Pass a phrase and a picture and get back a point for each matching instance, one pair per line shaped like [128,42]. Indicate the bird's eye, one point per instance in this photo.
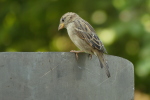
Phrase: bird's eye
[63,20]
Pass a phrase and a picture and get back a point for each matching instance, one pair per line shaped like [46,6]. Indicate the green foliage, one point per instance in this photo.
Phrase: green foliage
[122,25]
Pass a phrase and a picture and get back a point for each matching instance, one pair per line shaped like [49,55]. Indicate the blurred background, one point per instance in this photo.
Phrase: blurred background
[122,25]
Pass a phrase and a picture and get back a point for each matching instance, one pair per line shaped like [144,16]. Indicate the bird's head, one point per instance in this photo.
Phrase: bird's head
[66,19]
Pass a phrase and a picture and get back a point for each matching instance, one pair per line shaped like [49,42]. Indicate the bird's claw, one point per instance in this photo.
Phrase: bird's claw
[90,56]
[76,53]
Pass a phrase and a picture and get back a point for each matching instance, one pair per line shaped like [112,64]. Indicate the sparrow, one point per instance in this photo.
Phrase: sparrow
[84,37]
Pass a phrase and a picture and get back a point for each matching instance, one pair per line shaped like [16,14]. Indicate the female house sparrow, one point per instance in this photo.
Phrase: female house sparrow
[84,37]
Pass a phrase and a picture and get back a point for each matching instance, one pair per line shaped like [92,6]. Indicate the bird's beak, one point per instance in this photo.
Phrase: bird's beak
[61,26]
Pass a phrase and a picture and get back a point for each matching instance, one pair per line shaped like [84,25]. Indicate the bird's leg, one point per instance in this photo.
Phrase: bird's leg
[90,56]
[76,53]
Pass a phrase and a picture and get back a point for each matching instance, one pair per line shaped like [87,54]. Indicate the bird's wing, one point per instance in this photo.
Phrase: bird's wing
[86,32]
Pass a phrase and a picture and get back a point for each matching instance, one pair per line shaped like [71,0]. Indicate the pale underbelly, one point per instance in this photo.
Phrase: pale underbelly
[81,44]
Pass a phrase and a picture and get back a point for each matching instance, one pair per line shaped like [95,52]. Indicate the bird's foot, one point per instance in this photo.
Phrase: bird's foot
[90,56]
[76,53]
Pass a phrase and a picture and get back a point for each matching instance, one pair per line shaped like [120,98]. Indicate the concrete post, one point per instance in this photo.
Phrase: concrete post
[59,76]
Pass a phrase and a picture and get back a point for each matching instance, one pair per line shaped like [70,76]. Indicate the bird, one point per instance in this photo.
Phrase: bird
[84,37]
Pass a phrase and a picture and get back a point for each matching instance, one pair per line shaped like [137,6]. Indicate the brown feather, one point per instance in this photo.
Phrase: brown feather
[89,35]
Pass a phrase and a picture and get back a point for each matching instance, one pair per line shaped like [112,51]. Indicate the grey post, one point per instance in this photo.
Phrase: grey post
[59,76]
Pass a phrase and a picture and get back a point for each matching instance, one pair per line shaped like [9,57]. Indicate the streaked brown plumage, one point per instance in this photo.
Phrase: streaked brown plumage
[84,37]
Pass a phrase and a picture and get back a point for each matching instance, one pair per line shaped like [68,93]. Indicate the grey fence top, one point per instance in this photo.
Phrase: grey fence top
[59,76]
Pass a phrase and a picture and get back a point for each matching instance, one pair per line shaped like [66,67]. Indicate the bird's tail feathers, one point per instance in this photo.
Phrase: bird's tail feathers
[103,62]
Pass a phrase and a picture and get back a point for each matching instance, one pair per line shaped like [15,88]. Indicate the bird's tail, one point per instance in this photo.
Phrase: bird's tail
[103,62]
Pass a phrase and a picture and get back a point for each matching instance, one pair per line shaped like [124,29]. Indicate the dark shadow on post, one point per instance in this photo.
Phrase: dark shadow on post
[80,65]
